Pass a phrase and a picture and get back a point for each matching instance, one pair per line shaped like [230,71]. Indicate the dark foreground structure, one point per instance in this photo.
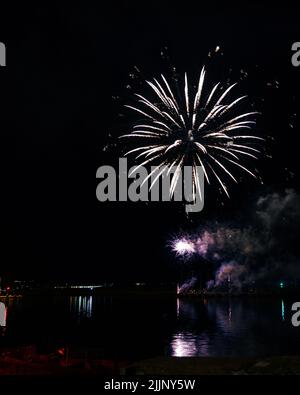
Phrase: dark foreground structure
[26,362]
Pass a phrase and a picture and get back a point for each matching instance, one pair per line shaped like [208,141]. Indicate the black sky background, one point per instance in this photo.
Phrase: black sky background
[64,64]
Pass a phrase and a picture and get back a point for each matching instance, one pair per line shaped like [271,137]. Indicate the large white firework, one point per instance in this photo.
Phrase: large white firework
[193,126]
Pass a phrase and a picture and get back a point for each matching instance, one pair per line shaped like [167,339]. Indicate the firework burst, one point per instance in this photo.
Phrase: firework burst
[193,126]
[183,247]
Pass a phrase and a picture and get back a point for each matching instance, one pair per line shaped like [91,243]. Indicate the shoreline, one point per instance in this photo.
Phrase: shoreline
[161,293]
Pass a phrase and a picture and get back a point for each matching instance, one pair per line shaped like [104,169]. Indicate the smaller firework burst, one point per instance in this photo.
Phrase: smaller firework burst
[183,247]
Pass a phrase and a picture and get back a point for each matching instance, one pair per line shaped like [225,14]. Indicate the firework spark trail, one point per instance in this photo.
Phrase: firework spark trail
[187,285]
[195,129]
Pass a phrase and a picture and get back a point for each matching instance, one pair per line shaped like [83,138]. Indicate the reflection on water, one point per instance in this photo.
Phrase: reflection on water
[231,327]
[81,306]
[282,311]
[132,327]
[184,345]
[190,317]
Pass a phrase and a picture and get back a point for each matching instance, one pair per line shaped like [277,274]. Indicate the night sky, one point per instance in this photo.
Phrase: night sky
[64,65]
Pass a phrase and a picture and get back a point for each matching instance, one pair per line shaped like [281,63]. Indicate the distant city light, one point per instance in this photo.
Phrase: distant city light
[90,287]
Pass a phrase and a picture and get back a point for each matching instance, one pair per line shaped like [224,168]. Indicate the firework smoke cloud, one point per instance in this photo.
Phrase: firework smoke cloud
[244,255]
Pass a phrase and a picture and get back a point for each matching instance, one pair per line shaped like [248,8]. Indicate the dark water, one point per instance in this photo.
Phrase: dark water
[144,327]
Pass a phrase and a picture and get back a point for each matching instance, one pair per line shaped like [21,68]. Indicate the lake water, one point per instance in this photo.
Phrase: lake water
[142,327]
